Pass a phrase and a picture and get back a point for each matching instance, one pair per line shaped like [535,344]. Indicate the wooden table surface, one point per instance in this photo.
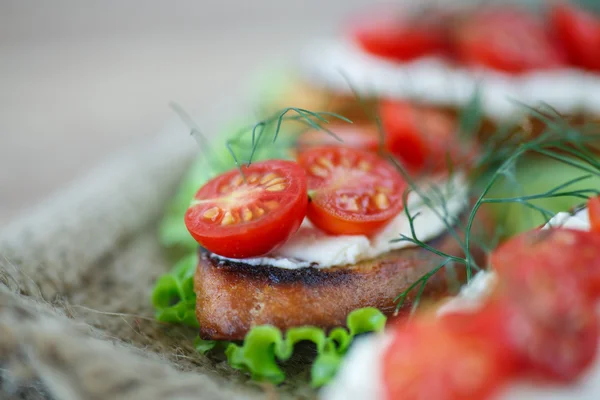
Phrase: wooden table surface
[79,80]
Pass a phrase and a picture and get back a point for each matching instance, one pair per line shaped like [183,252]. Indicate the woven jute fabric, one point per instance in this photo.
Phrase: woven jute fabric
[76,274]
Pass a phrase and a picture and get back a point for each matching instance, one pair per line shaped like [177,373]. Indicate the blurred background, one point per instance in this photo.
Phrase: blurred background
[81,79]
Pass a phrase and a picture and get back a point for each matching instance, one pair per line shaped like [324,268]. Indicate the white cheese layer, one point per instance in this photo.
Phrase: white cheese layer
[441,204]
[580,220]
[360,377]
[337,64]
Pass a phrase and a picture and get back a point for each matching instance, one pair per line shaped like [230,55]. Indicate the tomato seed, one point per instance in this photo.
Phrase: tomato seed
[319,171]
[276,188]
[228,219]
[246,215]
[326,162]
[268,177]
[277,181]
[211,213]
[271,204]
[237,181]
[382,201]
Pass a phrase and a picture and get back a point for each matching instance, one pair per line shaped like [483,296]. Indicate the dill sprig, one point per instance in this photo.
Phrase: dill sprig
[561,142]
[311,119]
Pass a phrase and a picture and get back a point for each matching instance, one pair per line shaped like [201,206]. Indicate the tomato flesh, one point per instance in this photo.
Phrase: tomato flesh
[560,251]
[353,192]
[239,219]
[593,206]
[361,137]
[427,361]
[579,34]
[423,139]
[549,279]
[400,38]
[505,39]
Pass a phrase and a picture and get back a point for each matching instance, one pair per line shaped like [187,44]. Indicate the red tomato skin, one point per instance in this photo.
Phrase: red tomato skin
[424,139]
[593,206]
[426,360]
[562,251]
[264,235]
[399,37]
[505,39]
[546,282]
[579,34]
[332,225]
[531,347]
[323,209]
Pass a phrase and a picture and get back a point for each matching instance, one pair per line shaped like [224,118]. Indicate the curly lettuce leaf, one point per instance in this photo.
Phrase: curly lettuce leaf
[173,295]
[265,346]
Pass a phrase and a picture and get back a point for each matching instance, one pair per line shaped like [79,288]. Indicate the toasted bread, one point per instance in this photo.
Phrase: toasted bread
[232,297]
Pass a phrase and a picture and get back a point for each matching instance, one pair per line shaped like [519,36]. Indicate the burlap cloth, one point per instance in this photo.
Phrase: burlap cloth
[76,274]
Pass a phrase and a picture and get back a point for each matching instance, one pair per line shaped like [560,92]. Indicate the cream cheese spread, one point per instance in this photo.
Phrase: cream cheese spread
[439,204]
[336,64]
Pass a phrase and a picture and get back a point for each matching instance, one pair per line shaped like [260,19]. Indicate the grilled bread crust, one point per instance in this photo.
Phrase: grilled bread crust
[232,297]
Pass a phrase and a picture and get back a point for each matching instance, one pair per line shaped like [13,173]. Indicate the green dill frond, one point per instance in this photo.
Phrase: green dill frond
[499,160]
[363,105]
[196,133]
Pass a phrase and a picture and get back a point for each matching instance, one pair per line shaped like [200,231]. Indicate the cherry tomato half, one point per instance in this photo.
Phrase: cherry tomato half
[400,37]
[426,361]
[560,251]
[546,279]
[593,206]
[423,138]
[361,137]
[579,33]
[505,39]
[352,191]
[240,219]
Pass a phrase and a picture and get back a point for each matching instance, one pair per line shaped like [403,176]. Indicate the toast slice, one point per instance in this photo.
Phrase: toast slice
[232,297]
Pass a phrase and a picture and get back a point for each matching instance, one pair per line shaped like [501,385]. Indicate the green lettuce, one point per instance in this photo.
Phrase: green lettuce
[173,296]
[264,346]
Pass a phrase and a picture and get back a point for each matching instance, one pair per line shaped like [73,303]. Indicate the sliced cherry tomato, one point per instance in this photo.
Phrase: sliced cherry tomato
[505,39]
[487,323]
[579,33]
[352,191]
[593,206]
[560,251]
[545,279]
[558,351]
[424,139]
[361,137]
[240,219]
[400,37]
[427,361]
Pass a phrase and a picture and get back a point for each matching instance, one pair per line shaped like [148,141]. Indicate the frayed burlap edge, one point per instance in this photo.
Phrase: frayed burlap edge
[44,354]
[75,247]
